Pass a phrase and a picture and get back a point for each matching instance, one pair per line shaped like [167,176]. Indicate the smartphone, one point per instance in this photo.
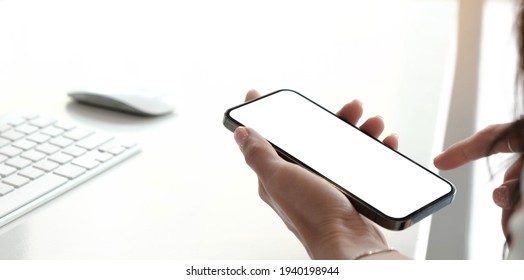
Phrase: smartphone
[382,184]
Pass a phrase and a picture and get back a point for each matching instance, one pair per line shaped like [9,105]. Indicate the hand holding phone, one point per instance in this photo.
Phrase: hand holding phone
[382,184]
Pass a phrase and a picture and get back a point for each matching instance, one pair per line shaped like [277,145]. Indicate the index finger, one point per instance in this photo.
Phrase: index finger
[477,146]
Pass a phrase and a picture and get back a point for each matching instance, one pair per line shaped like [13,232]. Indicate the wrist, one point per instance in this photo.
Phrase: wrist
[345,245]
[351,243]
[387,254]
[349,251]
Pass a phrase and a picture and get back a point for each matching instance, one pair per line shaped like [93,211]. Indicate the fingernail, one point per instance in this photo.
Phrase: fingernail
[240,135]
[500,197]
[357,102]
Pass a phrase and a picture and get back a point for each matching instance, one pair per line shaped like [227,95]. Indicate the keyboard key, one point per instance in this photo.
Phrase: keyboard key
[5,189]
[87,162]
[26,128]
[113,148]
[74,151]
[6,170]
[4,142]
[12,135]
[61,158]
[47,148]
[16,121]
[128,144]
[102,157]
[18,162]
[46,165]
[31,173]
[78,133]
[94,141]
[10,151]
[30,116]
[16,181]
[70,171]
[61,142]
[39,138]
[33,155]
[5,127]
[52,131]
[24,144]
[64,125]
[3,158]
[42,122]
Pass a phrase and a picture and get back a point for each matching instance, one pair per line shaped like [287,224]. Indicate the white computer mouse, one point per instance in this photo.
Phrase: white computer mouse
[138,103]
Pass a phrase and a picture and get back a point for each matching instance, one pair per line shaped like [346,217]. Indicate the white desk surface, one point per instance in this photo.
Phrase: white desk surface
[189,195]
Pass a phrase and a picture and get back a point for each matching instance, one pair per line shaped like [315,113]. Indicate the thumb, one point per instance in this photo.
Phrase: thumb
[258,153]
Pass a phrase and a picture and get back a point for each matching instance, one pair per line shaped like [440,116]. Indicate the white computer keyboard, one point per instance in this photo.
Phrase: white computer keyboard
[41,158]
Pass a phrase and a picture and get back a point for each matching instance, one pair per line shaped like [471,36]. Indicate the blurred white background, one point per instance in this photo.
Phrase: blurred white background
[398,57]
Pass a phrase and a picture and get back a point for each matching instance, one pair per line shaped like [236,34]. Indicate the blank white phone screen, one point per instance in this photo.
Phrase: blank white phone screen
[354,161]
